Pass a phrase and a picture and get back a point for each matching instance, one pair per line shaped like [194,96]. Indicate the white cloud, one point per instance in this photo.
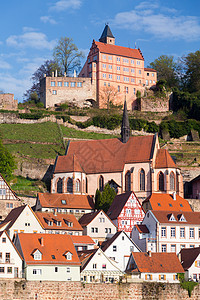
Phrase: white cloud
[66,4]
[48,19]
[4,65]
[11,84]
[161,22]
[32,39]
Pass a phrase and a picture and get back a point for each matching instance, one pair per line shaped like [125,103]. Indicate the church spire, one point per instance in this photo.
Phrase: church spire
[107,36]
[125,128]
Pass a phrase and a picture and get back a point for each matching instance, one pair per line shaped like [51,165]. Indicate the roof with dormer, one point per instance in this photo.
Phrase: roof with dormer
[52,246]
[174,217]
[108,155]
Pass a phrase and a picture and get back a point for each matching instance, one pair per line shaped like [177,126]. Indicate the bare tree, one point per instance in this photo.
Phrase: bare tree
[108,94]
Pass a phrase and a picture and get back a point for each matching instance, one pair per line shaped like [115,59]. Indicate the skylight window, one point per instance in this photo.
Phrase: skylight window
[159,204]
[63,202]
[53,256]
[170,205]
[181,205]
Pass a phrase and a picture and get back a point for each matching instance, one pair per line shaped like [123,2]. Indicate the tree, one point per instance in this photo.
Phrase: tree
[97,199]
[47,68]
[67,56]
[108,94]
[104,200]
[190,71]
[7,163]
[167,69]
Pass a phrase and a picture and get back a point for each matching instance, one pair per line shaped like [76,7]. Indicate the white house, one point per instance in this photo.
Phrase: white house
[10,259]
[190,260]
[168,231]
[119,248]
[21,219]
[97,267]
[50,257]
[98,226]
[159,267]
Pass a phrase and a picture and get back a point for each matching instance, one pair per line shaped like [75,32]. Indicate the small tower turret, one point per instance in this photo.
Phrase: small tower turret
[107,36]
[125,128]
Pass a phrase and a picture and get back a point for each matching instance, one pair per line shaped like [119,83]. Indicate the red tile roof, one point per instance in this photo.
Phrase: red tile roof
[142,228]
[157,263]
[82,240]
[72,201]
[109,155]
[118,50]
[85,256]
[150,70]
[87,218]
[164,160]
[164,216]
[44,217]
[53,244]
[166,202]
[188,256]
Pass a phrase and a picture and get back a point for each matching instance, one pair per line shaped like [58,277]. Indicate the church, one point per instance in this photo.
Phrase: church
[129,163]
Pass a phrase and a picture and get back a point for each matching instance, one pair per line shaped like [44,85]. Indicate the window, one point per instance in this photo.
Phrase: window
[37,271]
[142,180]
[79,84]
[102,220]
[191,232]
[78,185]
[94,266]
[147,74]
[173,232]
[164,248]
[126,78]
[161,181]
[118,58]
[126,89]
[68,256]
[173,248]
[3,240]
[132,79]
[66,83]
[63,202]
[110,76]
[182,246]
[126,69]
[7,257]
[163,231]
[125,60]
[104,56]
[128,181]
[152,74]
[140,72]
[37,255]
[104,266]
[182,232]
[104,75]
[118,68]
[172,181]
[53,83]
[109,57]
[54,92]
[0,255]
[1,269]
[132,61]
[104,66]
[138,62]
[68,270]
[118,88]
[27,224]
[9,270]
[69,185]
[114,248]
[110,67]
[101,183]
[59,186]
[2,192]
[59,83]
[118,77]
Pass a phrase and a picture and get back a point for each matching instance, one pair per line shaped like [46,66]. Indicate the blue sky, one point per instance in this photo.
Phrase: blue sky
[30,30]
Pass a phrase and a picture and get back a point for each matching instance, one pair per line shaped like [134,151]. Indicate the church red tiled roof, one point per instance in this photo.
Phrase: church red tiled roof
[164,160]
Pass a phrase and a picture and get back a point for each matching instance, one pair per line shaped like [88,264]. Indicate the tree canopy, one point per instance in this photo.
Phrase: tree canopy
[104,199]
[7,163]
[67,55]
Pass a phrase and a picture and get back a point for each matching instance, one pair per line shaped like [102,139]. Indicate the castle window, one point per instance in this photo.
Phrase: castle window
[147,74]
[101,183]
[54,92]
[138,62]
[118,68]
[53,83]
[118,88]
[142,180]
[69,185]
[79,84]
[110,76]
[60,186]
[132,61]
[118,77]
[132,71]
[66,83]
[118,58]
[78,185]
[59,83]
[128,181]
[161,181]
[140,72]
[73,84]
[172,181]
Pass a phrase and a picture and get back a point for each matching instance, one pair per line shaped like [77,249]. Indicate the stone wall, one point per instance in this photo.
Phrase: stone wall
[154,104]
[8,102]
[37,290]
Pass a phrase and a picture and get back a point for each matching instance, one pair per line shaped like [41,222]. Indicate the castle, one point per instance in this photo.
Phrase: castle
[110,73]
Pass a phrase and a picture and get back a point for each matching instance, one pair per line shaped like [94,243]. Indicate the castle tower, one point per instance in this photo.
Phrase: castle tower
[107,36]
[125,129]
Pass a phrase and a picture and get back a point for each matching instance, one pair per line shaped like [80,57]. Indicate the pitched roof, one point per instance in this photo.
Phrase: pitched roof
[165,202]
[12,217]
[157,263]
[164,216]
[4,232]
[106,32]
[85,256]
[188,256]
[164,160]
[87,218]
[150,70]
[82,240]
[72,201]
[118,204]
[118,50]
[142,228]
[50,245]
[65,219]
[108,155]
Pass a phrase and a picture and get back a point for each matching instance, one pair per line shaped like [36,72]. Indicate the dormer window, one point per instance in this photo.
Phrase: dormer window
[58,223]
[171,218]
[69,224]
[37,255]
[50,223]
[181,218]
[68,255]
[63,201]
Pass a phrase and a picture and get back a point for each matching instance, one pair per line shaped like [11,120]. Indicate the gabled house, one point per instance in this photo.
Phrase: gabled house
[98,226]
[97,267]
[8,199]
[59,223]
[167,231]
[159,267]
[83,242]
[190,260]
[171,202]
[64,203]
[119,248]
[21,219]
[50,257]
[126,211]
[10,258]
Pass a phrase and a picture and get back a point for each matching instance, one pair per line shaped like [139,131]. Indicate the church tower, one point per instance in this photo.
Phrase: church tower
[125,129]
[107,36]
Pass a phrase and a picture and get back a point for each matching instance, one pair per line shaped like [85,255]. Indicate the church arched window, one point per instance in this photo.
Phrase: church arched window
[128,181]
[59,186]
[172,181]
[161,181]
[69,185]
[101,183]
[142,180]
[77,185]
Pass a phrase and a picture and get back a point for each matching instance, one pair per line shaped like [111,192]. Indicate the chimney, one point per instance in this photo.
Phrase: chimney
[56,73]
[52,74]
[149,253]
[41,241]
[174,195]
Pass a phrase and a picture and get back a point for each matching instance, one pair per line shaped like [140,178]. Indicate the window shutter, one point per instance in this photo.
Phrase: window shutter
[195,263]
[159,277]
[145,276]
[164,277]
[151,277]
[174,277]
